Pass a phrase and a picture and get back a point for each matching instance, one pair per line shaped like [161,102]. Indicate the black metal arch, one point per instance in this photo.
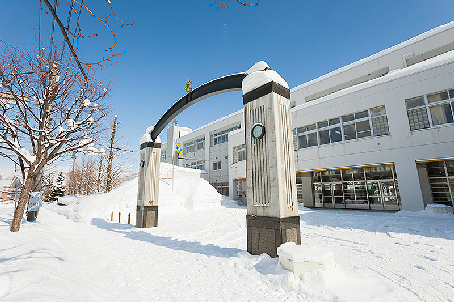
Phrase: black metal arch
[225,84]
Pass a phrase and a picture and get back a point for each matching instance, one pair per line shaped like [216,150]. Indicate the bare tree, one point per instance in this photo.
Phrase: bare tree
[115,150]
[49,109]
[82,178]
[223,3]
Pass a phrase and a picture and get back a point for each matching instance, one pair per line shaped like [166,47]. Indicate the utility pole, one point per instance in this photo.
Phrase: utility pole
[110,157]
[175,123]
[173,165]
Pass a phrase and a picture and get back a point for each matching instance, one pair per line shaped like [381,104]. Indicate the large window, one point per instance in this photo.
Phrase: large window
[366,123]
[222,136]
[430,110]
[373,187]
[163,156]
[239,153]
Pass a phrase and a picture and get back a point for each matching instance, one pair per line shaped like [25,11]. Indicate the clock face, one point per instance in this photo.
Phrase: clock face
[258,131]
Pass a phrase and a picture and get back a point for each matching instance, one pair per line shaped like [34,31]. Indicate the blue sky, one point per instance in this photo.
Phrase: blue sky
[172,41]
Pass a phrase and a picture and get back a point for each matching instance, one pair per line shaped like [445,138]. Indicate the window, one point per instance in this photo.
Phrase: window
[201,143]
[372,187]
[239,153]
[195,145]
[417,113]
[216,165]
[430,110]
[366,123]
[197,165]
[379,121]
[163,156]
[189,147]
[222,136]
[356,125]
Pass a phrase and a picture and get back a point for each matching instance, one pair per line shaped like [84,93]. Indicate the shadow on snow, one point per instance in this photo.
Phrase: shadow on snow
[175,244]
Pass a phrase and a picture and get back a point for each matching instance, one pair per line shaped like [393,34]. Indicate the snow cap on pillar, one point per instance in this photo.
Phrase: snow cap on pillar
[260,74]
[146,138]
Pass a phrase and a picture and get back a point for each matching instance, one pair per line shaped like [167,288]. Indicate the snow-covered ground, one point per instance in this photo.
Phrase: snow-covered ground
[198,253]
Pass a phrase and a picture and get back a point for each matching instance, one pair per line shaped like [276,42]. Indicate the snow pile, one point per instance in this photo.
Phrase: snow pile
[302,253]
[260,74]
[196,192]
[190,193]
[85,208]
[439,208]
[166,171]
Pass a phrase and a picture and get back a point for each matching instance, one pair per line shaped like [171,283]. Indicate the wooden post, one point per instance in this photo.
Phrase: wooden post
[111,216]
[119,216]
[129,218]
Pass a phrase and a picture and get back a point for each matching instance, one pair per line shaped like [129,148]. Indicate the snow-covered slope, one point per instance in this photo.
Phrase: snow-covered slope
[199,254]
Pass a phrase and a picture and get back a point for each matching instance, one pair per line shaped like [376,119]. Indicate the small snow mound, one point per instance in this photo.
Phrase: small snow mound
[302,253]
[439,208]
[260,74]
[147,138]
[259,66]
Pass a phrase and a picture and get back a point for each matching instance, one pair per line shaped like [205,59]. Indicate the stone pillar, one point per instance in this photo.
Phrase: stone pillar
[147,197]
[272,210]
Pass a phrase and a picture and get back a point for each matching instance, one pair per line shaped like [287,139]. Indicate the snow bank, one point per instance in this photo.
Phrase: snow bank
[190,193]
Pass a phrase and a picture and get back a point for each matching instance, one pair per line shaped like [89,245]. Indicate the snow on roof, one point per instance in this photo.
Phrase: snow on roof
[435,62]
[219,120]
[382,53]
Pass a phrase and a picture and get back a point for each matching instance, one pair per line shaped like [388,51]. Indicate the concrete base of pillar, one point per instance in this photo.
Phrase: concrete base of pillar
[266,234]
[147,218]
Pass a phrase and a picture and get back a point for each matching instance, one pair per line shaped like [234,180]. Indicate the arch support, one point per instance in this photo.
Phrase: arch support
[147,196]
[272,209]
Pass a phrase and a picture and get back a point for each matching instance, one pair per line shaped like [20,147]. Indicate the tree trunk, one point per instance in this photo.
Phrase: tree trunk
[23,201]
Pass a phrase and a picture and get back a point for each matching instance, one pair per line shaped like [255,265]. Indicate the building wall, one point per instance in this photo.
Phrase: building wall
[401,147]
[237,171]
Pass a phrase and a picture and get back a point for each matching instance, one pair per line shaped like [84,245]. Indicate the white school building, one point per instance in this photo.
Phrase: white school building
[377,134]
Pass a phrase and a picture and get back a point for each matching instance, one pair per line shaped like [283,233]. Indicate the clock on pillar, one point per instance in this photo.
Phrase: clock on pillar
[258,131]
